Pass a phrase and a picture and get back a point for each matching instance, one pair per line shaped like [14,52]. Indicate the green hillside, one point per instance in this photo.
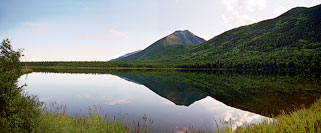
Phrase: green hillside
[166,47]
[292,40]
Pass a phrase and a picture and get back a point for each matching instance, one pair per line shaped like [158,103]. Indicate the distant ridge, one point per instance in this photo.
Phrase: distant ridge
[126,55]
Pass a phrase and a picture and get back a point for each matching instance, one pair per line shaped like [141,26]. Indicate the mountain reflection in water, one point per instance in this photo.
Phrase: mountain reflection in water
[176,100]
[262,94]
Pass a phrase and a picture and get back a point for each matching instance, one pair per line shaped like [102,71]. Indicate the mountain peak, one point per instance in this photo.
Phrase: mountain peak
[182,31]
[183,37]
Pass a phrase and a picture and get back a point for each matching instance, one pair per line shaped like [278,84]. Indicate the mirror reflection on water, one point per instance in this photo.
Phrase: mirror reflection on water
[175,100]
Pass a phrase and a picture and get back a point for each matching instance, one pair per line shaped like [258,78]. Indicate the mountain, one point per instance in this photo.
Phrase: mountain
[126,55]
[165,47]
[291,40]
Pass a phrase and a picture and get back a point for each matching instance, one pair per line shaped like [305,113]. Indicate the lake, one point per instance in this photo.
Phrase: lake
[175,100]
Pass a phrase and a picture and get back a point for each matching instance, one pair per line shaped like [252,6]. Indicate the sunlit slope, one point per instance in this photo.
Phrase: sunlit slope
[170,45]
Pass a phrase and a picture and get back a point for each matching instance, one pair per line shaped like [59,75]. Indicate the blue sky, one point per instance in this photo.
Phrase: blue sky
[78,30]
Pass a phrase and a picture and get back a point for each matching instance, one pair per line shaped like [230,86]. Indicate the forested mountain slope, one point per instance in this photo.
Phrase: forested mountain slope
[292,40]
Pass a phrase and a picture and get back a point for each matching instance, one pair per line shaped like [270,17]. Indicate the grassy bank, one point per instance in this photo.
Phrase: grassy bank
[94,122]
[302,120]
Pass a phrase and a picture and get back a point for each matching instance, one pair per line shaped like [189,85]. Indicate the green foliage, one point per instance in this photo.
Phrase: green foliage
[302,120]
[19,112]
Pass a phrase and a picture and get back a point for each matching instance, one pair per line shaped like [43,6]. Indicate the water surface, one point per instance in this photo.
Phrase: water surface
[175,100]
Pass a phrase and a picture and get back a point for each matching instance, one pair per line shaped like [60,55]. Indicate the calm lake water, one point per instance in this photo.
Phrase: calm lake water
[175,100]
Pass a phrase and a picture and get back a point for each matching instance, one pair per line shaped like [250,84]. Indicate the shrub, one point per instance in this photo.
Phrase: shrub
[19,112]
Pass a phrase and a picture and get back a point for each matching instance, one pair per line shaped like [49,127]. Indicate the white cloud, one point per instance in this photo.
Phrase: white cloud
[116,32]
[279,10]
[236,17]
[226,19]
[250,5]
[237,119]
